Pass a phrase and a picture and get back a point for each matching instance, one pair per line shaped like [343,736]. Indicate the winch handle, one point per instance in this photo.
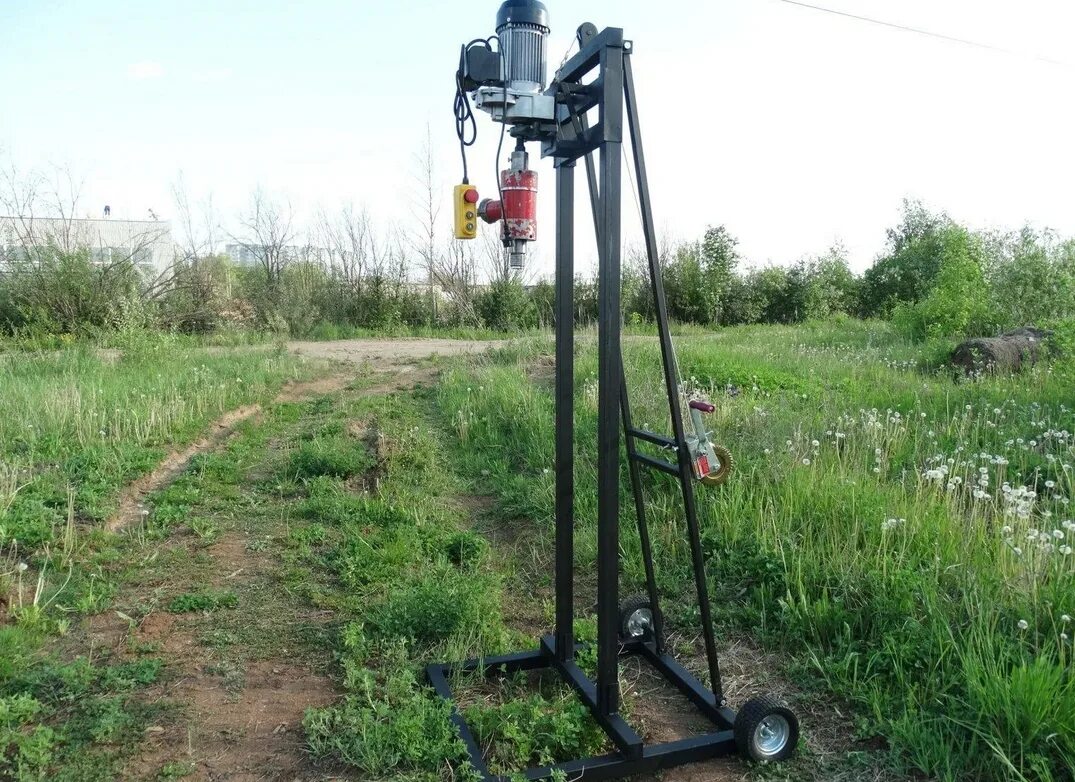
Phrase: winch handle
[705,407]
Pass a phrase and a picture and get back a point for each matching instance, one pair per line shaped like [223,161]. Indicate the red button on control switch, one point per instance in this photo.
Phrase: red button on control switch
[471,196]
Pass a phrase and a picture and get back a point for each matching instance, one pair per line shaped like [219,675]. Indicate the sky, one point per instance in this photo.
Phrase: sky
[792,127]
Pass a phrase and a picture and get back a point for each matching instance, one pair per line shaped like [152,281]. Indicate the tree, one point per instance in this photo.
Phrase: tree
[719,259]
[829,287]
[906,272]
[268,232]
[426,214]
[958,303]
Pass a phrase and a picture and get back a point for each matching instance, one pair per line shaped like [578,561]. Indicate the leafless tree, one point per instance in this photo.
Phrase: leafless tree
[198,225]
[491,252]
[426,213]
[267,234]
[457,273]
[352,247]
[42,208]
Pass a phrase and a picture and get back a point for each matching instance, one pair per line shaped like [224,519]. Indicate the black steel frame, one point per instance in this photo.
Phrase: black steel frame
[569,138]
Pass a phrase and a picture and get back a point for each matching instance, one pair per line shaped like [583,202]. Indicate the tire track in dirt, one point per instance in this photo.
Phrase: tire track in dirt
[390,358]
[131,501]
[237,725]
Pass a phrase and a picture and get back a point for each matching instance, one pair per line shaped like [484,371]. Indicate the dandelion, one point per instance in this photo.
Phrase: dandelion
[1063,636]
[1017,551]
[806,461]
[1058,534]
[1065,550]
[768,451]
[816,444]
[1065,619]
[21,567]
[1023,624]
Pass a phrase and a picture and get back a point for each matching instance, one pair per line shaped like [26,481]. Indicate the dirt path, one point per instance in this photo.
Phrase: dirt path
[393,358]
[242,680]
[385,354]
[132,499]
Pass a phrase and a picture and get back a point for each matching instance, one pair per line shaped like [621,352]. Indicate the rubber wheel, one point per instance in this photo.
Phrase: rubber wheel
[632,609]
[766,730]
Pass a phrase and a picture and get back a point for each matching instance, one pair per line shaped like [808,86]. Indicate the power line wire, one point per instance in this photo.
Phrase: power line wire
[928,33]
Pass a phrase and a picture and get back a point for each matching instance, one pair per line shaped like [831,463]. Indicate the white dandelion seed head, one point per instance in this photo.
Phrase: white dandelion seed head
[1023,624]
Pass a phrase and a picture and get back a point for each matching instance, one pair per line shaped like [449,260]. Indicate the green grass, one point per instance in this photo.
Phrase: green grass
[75,426]
[879,529]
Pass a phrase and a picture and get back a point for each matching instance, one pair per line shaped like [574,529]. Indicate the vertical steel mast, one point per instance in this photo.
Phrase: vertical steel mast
[600,77]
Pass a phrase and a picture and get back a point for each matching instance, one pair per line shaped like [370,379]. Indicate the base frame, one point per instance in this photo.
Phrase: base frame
[632,755]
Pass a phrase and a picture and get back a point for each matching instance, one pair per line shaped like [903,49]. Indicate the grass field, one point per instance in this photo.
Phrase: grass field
[893,549]
[904,538]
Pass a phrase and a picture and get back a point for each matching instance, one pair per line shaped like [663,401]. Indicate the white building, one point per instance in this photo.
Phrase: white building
[251,254]
[148,243]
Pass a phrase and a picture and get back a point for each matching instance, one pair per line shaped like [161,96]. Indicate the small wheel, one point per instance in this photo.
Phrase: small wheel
[638,620]
[727,464]
[766,730]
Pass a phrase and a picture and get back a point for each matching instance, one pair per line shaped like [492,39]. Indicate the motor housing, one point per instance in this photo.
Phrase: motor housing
[523,29]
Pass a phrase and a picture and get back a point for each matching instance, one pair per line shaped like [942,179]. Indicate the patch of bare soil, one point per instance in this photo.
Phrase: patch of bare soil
[390,353]
[240,719]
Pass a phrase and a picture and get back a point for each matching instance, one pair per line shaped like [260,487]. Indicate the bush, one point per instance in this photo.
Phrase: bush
[51,291]
[504,306]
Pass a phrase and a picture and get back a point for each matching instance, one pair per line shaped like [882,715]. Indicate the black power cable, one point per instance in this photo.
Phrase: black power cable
[464,113]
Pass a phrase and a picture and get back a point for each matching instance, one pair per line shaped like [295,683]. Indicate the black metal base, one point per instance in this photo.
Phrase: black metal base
[632,755]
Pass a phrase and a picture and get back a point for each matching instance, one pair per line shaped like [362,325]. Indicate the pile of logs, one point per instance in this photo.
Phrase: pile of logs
[1011,352]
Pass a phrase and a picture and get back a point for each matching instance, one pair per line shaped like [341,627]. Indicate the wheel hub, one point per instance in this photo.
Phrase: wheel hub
[640,622]
[771,735]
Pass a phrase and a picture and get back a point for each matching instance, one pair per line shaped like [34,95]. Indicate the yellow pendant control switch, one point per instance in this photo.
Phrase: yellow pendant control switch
[466,212]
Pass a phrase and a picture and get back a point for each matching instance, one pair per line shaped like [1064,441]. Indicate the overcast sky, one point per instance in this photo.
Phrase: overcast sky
[795,128]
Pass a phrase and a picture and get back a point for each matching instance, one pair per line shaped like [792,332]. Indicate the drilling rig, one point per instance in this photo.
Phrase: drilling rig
[505,76]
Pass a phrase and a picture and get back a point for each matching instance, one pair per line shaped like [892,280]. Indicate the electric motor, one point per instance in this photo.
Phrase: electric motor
[523,29]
